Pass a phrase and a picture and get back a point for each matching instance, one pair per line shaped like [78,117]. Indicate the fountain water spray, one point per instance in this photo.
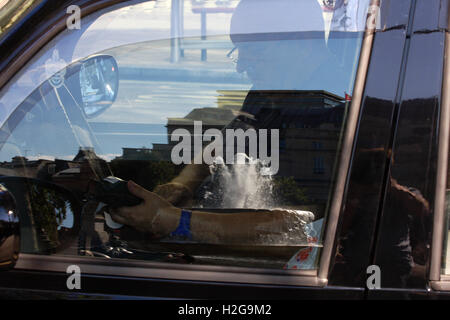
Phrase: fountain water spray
[246,184]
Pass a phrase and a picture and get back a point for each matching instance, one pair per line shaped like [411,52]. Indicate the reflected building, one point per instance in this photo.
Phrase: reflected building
[309,123]
[23,167]
[136,154]
[229,104]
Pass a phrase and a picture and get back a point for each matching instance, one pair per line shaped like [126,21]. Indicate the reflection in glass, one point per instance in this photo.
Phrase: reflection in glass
[51,215]
[99,84]
[295,83]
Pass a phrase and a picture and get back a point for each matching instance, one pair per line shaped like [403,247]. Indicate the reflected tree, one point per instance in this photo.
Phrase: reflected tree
[49,210]
[287,191]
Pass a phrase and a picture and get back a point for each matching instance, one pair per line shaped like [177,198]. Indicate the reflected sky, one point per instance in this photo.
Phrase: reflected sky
[68,221]
[154,88]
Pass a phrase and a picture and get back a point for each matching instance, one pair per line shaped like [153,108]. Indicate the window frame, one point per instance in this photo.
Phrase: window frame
[438,280]
[43,32]
[147,269]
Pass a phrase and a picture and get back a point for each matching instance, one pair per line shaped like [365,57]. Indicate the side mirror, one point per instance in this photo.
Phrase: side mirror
[49,216]
[9,230]
[99,83]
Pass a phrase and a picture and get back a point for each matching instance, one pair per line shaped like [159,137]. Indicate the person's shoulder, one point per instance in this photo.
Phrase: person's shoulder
[412,196]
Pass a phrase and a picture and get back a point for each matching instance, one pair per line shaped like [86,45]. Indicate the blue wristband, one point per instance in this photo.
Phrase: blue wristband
[183,231]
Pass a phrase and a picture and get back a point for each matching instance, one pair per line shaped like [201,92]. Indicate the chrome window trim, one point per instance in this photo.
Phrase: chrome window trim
[439,281]
[347,147]
[441,285]
[168,271]
[146,269]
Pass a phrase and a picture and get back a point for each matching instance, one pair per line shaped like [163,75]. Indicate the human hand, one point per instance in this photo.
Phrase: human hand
[176,193]
[154,215]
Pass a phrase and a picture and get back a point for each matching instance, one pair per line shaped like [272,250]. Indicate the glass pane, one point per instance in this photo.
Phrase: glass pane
[231,126]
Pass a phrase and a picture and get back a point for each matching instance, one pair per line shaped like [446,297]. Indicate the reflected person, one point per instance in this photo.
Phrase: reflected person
[401,252]
[269,43]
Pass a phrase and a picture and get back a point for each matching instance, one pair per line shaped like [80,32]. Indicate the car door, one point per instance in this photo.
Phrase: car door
[422,115]
[335,126]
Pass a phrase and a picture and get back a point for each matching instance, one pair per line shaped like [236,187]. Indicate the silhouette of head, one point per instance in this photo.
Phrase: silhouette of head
[274,39]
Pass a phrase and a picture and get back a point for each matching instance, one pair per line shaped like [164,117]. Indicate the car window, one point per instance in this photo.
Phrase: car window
[228,118]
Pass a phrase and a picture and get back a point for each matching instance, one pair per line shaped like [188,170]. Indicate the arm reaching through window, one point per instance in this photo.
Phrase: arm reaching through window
[159,217]
[180,191]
